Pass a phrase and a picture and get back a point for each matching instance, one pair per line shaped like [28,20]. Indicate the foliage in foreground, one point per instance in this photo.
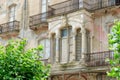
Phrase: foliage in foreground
[16,63]
[114,41]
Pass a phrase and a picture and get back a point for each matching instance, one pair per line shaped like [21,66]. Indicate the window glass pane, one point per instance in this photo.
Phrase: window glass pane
[12,13]
[43,8]
[47,55]
[46,48]
[64,32]
[44,1]
[42,43]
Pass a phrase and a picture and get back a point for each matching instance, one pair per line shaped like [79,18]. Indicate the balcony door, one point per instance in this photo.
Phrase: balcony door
[11,17]
[44,10]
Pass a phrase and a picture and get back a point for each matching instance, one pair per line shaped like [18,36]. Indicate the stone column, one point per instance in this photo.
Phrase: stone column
[57,48]
[84,46]
[51,49]
[91,43]
[74,44]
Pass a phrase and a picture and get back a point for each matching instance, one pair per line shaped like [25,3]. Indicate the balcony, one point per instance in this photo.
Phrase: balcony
[67,7]
[9,27]
[98,58]
[39,20]
[103,4]
[74,5]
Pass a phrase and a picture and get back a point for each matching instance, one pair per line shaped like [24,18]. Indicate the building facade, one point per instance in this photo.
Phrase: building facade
[74,33]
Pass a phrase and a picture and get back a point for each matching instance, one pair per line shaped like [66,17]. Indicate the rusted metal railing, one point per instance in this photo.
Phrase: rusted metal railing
[9,27]
[68,7]
[39,19]
[98,58]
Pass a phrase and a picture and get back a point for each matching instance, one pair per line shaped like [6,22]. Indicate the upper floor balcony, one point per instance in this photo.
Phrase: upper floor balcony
[74,5]
[98,58]
[39,20]
[67,7]
[9,27]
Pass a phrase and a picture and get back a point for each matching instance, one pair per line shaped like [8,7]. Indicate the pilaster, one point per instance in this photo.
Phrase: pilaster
[74,44]
[57,57]
[84,46]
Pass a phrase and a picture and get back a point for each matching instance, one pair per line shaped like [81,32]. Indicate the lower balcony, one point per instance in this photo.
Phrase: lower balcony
[38,21]
[9,28]
[98,58]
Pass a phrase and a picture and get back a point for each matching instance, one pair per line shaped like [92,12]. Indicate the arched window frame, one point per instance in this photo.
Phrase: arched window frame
[45,54]
[66,37]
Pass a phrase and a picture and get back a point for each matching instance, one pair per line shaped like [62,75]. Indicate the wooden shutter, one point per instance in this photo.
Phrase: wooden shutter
[78,46]
[70,44]
[88,41]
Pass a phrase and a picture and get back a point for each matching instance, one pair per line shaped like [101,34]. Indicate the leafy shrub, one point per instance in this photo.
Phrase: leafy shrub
[16,63]
[114,41]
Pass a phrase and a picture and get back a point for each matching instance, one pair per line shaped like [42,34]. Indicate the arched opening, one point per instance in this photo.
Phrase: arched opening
[66,44]
[78,45]
[46,48]
[88,41]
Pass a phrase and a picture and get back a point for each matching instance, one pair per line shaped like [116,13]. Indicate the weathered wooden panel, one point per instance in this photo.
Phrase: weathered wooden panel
[78,46]
[88,41]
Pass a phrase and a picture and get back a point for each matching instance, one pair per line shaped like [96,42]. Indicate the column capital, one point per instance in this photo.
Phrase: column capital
[83,30]
[58,35]
[74,30]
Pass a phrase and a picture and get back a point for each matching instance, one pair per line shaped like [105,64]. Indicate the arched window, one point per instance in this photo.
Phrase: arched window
[78,45]
[66,44]
[46,48]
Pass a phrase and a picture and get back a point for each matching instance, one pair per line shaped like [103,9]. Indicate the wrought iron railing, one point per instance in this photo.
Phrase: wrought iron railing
[67,7]
[9,27]
[101,5]
[39,19]
[98,58]
[70,6]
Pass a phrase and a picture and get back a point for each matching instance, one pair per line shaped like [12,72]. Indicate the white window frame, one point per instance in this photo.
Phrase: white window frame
[44,54]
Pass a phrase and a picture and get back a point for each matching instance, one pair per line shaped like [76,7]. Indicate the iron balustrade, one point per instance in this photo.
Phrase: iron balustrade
[68,7]
[101,5]
[39,19]
[9,27]
[71,6]
[98,58]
